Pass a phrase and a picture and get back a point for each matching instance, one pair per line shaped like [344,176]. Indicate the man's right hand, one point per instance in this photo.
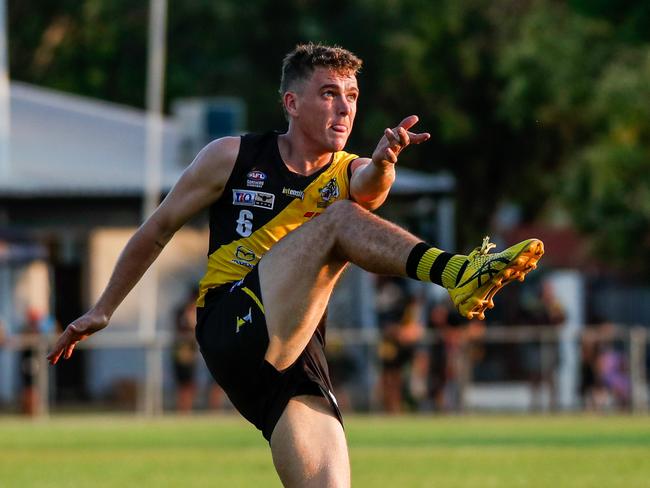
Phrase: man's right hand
[78,330]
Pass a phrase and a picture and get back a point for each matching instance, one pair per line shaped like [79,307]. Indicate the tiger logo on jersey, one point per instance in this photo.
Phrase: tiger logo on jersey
[328,193]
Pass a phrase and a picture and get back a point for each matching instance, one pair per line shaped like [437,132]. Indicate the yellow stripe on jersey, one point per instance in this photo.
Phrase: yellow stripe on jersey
[232,261]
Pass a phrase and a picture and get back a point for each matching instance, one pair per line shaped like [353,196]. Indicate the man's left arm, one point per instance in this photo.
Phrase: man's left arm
[373,177]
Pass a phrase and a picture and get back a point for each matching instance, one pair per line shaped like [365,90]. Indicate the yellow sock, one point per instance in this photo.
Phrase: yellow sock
[427,263]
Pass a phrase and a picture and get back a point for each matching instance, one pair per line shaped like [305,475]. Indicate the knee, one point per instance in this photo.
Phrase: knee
[342,210]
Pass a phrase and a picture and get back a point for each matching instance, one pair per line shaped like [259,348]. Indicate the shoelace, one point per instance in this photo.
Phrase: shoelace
[486,246]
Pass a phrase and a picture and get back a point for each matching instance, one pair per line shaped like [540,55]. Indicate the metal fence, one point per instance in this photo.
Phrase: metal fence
[632,344]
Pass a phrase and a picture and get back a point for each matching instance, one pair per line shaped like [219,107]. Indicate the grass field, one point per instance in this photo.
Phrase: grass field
[476,451]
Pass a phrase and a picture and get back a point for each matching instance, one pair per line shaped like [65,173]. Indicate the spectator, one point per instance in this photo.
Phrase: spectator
[29,363]
[457,341]
[612,374]
[396,352]
[589,346]
[540,358]
[185,357]
[185,352]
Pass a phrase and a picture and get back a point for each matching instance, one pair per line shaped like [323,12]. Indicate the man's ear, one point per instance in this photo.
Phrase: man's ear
[291,102]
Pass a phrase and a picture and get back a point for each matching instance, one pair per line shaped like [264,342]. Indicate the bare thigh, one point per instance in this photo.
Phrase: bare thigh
[309,447]
[297,277]
[298,274]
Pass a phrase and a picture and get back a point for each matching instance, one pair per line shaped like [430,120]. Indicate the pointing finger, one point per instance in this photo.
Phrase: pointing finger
[409,122]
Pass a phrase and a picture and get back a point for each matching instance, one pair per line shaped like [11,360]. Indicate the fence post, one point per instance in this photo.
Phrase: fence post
[638,339]
[42,378]
[153,385]
[464,371]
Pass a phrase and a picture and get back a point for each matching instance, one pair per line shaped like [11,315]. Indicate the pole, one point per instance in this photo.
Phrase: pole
[152,187]
[638,337]
[5,114]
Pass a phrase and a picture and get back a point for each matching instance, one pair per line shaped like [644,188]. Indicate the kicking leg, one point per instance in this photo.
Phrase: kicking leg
[298,274]
[297,277]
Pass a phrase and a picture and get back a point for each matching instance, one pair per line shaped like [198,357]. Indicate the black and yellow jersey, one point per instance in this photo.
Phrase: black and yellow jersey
[261,203]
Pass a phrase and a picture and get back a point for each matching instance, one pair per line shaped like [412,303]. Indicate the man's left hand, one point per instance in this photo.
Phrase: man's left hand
[395,140]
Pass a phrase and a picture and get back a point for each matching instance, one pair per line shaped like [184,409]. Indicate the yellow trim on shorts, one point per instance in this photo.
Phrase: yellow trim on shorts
[250,293]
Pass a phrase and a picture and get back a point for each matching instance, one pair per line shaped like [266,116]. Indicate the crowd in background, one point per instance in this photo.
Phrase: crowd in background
[426,353]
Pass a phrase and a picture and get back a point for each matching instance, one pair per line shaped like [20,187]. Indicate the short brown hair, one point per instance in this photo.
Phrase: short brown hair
[300,63]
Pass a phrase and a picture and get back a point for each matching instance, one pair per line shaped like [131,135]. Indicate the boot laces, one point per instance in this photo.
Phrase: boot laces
[486,246]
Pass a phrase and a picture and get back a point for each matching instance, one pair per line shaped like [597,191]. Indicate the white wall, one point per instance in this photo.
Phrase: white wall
[180,266]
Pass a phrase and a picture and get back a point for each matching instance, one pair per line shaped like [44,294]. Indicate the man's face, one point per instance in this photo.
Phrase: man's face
[323,107]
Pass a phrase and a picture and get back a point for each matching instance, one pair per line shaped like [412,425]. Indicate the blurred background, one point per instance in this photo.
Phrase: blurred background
[540,127]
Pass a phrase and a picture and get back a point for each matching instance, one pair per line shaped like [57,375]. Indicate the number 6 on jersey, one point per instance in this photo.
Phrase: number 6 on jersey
[245,223]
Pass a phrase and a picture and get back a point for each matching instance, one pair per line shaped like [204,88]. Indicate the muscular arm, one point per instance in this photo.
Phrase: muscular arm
[371,182]
[199,185]
[373,177]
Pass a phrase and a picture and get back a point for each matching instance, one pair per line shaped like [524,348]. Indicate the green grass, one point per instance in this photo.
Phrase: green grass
[465,451]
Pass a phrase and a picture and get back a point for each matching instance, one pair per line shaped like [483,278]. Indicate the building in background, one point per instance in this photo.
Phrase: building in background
[74,193]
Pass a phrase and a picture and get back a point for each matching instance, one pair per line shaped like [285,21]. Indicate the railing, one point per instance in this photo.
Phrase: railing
[635,340]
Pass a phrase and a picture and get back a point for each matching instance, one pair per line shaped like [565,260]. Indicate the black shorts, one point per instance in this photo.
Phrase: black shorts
[232,334]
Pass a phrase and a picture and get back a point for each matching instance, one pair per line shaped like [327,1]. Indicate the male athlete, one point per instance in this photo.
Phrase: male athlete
[288,211]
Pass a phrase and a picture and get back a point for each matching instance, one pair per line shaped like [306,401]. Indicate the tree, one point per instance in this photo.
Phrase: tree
[536,102]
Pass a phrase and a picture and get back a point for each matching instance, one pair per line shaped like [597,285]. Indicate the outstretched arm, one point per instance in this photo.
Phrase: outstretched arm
[200,184]
[372,177]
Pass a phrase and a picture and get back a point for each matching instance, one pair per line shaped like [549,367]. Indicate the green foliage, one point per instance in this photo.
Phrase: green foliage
[538,102]
[585,88]
[95,48]
[608,186]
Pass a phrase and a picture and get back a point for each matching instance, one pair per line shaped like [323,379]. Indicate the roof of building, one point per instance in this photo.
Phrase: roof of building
[68,145]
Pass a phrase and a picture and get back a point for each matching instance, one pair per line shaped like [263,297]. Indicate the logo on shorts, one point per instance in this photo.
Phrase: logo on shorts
[236,285]
[293,193]
[252,198]
[255,179]
[328,193]
[246,319]
[244,257]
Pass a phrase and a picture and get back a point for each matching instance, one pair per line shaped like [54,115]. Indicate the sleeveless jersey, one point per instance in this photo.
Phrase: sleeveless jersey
[261,203]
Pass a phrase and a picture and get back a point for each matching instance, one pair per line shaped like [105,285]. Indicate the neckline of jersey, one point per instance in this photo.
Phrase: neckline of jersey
[292,174]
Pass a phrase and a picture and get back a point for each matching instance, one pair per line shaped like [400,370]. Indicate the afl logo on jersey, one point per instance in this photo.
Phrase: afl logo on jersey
[255,179]
[250,198]
[328,193]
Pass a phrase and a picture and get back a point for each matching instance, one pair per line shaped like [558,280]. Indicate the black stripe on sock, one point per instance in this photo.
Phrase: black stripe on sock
[414,259]
[438,267]
[461,271]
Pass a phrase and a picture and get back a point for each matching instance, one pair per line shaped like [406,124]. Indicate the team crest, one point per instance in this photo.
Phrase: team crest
[328,193]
